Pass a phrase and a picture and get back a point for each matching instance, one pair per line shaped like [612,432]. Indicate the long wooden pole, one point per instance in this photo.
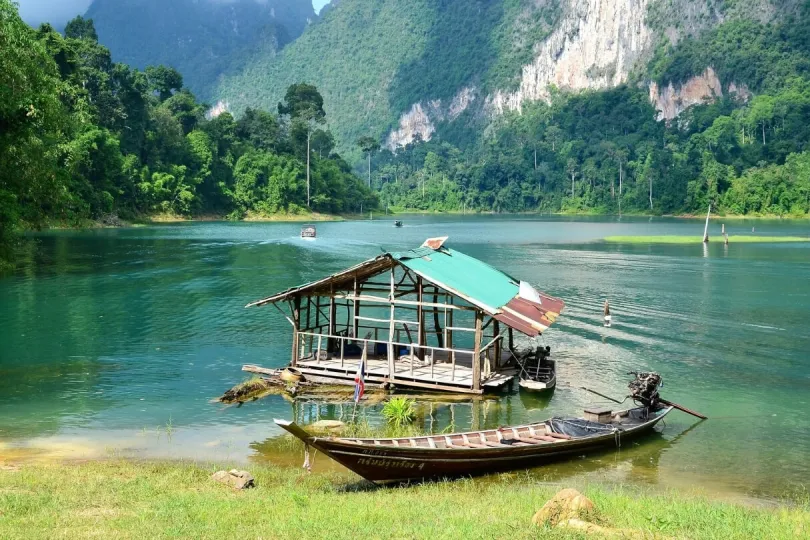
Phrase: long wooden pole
[683,409]
[391,370]
[476,360]
[436,324]
[420,317]
[706,229]
[296,315]
[497,332]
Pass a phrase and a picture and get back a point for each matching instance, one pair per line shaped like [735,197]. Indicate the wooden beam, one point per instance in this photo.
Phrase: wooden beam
[356,308]
[436,325]
[476,360]
[420,316]
[296,315]
[391,370]
[397,301]
[497,331]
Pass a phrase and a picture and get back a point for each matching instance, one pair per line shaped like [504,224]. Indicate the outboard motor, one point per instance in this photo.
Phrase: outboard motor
[644,388]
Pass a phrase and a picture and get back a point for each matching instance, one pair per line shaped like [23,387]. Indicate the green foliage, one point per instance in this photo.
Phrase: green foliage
[82,137]
[152,499]
[373,59]
[399,412]
[81,28]
[606,152]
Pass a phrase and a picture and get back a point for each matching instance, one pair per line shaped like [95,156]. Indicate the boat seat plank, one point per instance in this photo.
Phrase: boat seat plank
[530,440]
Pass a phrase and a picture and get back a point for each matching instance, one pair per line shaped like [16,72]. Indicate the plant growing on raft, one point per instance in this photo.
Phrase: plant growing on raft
[399,412]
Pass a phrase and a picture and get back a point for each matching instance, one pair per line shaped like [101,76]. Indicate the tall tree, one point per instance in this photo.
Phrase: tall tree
[304,105]
[81,28]
[368,145]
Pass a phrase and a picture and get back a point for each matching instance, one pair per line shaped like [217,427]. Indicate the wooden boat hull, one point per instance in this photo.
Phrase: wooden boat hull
[379,462]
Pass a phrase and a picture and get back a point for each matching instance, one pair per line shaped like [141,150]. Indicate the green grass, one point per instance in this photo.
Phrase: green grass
[126,499]
[699,239]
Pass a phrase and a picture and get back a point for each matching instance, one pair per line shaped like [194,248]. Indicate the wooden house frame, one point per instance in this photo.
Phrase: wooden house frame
[425,318]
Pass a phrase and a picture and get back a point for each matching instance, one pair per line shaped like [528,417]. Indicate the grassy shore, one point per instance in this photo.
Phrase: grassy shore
[127,499]
[697,239]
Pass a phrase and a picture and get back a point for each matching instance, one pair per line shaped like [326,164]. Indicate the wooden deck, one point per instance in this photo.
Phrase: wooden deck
[438,373]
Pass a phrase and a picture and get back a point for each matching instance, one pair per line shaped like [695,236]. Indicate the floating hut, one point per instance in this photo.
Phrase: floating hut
[428,318]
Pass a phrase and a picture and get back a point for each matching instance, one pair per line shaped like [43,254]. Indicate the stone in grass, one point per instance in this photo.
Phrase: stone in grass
[566,510]
[235,479]
[567,504]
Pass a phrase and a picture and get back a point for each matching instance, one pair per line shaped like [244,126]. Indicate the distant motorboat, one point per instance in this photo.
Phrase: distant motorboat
[308,233]
[397,223]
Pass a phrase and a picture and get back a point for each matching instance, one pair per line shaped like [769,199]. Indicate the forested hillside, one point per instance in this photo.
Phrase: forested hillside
[373,59]
[617,137]
[200,38]
[82,137]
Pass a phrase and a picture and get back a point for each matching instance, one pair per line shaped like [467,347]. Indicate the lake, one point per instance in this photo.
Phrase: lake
[113,342]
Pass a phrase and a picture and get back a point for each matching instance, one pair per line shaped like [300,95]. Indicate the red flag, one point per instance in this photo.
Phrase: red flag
[359,382]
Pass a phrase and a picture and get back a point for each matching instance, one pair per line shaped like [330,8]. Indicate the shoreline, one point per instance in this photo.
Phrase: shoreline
[315,217]
[285,452]
[126,498]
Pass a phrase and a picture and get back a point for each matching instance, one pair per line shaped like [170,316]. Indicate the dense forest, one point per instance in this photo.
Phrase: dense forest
[606,151]
[373,59]
[82,137]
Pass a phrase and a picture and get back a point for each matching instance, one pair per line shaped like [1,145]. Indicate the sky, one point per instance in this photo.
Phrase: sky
[58,12]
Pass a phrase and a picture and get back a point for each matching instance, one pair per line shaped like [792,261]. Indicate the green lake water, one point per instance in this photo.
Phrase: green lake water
[114,342]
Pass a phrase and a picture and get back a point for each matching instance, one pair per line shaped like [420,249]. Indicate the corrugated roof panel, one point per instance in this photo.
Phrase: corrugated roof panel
[474,280]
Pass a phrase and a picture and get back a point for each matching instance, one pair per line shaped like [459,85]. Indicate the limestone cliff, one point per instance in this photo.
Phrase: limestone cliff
[671,101]
[599,44]
[421,119]
[596,45]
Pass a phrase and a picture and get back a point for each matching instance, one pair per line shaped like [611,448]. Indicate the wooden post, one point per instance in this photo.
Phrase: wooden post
[296,315]
[356,309]
[436,324]
[391,362]
[420,317]
[706,229]
[332,322]
[511,340]
[448,325]
[476,362]
[497,332]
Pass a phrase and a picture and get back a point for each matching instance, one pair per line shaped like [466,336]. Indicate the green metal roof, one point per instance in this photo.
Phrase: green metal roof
[469,278]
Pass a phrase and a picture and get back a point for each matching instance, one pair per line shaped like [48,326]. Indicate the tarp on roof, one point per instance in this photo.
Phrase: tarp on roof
[512,302]
[467,277]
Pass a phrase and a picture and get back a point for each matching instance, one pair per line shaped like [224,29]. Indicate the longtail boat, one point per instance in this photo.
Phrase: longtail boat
[402,459]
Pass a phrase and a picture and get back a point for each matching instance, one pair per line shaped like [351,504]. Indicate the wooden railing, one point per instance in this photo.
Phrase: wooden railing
[316,342]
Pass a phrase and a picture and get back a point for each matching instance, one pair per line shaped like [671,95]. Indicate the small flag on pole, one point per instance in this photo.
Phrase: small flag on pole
[359,382]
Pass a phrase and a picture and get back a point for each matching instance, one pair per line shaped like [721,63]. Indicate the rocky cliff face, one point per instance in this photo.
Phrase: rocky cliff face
[596,45]
[671,101]
[420,121]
